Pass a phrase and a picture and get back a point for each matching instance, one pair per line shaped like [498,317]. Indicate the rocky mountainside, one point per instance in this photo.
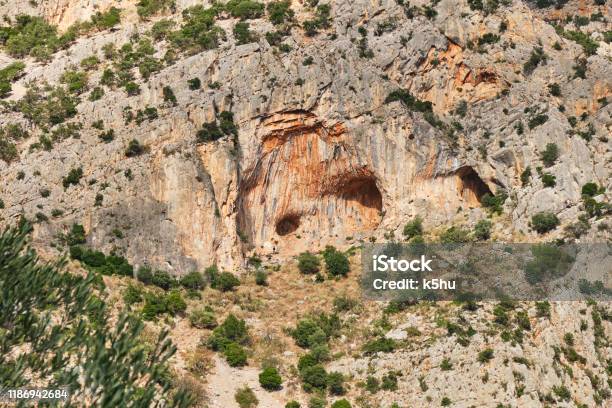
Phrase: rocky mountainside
[382,111]
[184,134]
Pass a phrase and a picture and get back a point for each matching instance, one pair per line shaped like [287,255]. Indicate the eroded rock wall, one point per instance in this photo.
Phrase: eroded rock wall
[320,155]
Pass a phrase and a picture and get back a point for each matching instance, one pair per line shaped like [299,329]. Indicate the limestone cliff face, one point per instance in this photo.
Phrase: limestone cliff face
[320,157]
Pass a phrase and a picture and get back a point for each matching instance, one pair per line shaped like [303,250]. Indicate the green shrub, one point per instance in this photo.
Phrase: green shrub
[75,81]
[543,309]
[485,355]
[536,58]
[494,203]
[107,78]
[96,94]
[132,294]
[555,89]
[225,282]
[144,275]
[76,236]
[537,120]
[118,265]
[320,352]
[316,401]
[231,330]
[41,217]
[194,83]
[274,38]
[344,303]
[501,315]
[584,40]
[280,12]
[488,38]
[522,319]
[409,101]
[242,34]
[549,180]
[226,123]
[155,304]
[97,261]
[8,150]
[162,279]
[314,377]
[107,136]
[380,345]
[106,20]
[413,228]
[372,384]
[47,107]
[304,331]
[335,383]
[286,48]
[270,379]
[446,365]
[209,133]
[8,133]
[321,20]
[550,154]
[594,208]
[8,75]
[132,88]
[73,177]
[591,189]
[293,404]
[455,235]
[203,319]
[482,230]
[134,149]
[148,113]
[544,222]
[199,32]
[89,63]
[261,278]
[193,280]
[161,29]
[148,8]
[336,263]
[169,95]
[562,392]
[343,403]
[235,355]
[526,176]
[592,288]
[307,360]
[175,302]
[308,263]
[255,261]
[244,9]
[389,381]
[98,200]
[549,262]
[245,397]
[316,330]
[33,36]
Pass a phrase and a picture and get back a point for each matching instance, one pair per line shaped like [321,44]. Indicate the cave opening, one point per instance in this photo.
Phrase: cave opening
[472,187]
[288,224]
[363,191]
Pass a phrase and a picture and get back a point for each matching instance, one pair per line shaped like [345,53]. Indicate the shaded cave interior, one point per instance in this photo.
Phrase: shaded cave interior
[360,192]
[471,186]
